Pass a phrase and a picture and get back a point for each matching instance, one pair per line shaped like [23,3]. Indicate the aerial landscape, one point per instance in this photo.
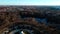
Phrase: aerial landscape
[29,19]
[29,16]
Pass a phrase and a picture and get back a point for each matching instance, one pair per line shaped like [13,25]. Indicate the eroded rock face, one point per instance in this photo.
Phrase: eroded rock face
[16,21]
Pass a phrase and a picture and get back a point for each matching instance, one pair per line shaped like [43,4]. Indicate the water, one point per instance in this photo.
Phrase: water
[42,20]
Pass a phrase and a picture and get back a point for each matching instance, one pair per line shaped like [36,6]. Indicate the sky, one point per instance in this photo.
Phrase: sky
[29,2]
